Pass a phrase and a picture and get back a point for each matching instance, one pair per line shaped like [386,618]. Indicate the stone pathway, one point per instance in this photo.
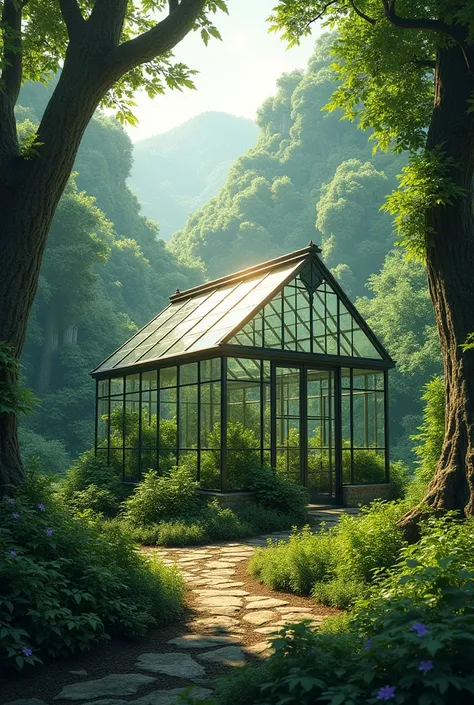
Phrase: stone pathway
[226,626]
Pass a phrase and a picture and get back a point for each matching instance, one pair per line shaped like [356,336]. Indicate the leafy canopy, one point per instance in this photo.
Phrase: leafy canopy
[384,58]
[45,37]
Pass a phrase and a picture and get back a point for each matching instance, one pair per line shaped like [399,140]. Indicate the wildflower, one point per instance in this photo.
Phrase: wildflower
[386,693]
[15,515]
[41,507]
[425,666]
[420,629]
[367,644]
[49,532]
[12,553]
[11,500]
[27,651]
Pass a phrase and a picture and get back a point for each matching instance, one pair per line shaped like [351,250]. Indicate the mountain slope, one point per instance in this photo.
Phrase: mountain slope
[176,172]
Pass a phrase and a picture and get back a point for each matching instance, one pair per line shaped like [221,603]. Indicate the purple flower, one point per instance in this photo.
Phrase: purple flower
[12,553]
[15,515]
[425,666]
[27,651]
[368,644]
[386,693]
[49,532]
[41,507]
[420,629]
[11,500]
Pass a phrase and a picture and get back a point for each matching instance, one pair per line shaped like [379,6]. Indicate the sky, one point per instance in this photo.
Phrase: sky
[235,75]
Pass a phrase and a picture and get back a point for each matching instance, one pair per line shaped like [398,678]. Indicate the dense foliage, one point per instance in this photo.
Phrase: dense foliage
[407,642]
[338,565]
[69,582]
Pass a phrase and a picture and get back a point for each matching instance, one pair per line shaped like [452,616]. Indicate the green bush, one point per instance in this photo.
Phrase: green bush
[275,491]
[294,565]
[346,557]
[408,642]
[157,498]
[89,471]
[49,454]
[67,583]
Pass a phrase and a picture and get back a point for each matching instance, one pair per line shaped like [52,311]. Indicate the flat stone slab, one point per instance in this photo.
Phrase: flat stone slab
[215,624]
[219,564]
[260,649]
[297,616]
[171,664]
[218,584]
[259,617]
[214,609]
[228,655]
[27,701]
[114,684]
[293,610]
[214,592]
[270,603]
[267,630]
[256,598]
[201,641]
[221,601]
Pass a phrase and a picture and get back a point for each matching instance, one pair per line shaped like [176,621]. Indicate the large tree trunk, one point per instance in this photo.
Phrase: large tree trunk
[450,266]
[27,207]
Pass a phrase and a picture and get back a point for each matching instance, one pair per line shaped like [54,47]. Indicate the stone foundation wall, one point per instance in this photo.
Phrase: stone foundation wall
[354,495]
[227,499]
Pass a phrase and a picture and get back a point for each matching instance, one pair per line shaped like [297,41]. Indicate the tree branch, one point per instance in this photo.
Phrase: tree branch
[158,40]
[361,14]
[418,23]
[173,5]
[72,17]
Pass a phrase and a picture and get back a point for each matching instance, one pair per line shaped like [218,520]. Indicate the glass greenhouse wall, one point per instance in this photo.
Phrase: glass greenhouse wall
[271,366]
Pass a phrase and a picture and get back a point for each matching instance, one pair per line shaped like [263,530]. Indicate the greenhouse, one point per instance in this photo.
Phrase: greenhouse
[272,365]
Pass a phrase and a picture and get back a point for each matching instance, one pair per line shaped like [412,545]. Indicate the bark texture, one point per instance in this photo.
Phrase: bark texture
[31,188]
[450,267]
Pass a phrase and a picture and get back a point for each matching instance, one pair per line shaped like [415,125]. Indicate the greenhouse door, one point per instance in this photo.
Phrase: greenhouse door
[303,429]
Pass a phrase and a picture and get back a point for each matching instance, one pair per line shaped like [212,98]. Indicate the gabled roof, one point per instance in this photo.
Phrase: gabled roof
[208,315]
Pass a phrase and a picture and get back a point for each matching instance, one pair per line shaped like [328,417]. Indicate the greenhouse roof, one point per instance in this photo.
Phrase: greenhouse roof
[210,315]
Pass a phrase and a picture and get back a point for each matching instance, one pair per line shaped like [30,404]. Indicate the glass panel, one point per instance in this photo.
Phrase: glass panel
[288,422]
[149,380]
[210,415]
[132,383]
[168,377]
[188,422]
[116,385]
[211,369]
[148,419]
[188,374]
[103,388]
[321,437]
[116,422]
[243,368]
[210,473]
[102,421]
[131,470]
[132,405]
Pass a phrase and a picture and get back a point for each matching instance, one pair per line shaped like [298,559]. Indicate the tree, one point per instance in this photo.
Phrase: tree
[106,50]
[407,72]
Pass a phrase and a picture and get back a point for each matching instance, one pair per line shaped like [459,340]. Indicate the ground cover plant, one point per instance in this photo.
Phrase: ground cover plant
[338,565]
[409,641]
[69,582]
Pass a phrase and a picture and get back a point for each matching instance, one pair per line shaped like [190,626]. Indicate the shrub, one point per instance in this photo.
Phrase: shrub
[158,498]
[90,470]
[52,455]
[409,642]
[294,565]
[346,557]
[68,583]
[275,491]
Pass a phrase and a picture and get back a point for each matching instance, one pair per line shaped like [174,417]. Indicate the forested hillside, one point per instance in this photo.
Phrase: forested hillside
[105,273]
[176,172]
[314,176]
